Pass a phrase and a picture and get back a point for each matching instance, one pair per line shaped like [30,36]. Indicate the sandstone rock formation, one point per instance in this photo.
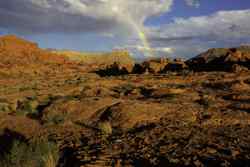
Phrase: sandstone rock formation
[22,57]
[150,66]
[175,65]
[220,59]
[114,69]
[100,60]
[20,51]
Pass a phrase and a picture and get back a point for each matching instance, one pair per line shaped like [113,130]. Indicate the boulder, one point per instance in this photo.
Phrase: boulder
[150,66]
[139,69]
[238,68]
[113,70]
[176,65]
[156,65]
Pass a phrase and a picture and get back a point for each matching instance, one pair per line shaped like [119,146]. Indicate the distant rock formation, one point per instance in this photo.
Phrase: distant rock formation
[220,59]
[139,69]
[17,50]
[22,57]
[112,70]
[11,42]
[175,66]
[156,65]
[150,66]
[19,55]
[101,60]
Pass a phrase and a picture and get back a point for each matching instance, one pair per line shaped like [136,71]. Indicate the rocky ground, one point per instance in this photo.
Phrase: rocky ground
[175,118]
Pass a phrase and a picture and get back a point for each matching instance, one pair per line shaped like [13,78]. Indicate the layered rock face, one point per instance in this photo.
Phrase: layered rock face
[220,59]
[20,51]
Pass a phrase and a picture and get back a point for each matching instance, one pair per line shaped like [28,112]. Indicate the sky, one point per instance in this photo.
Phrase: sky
[173,28]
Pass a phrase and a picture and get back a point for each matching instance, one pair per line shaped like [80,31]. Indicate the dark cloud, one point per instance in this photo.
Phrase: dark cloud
[39,16]
[27,18]
[171,39]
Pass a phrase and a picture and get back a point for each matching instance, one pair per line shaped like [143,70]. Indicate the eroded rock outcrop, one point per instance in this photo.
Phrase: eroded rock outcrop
[22,57]
[220,59]
[17,50]
[150,66]
[175,65]
[114,69]
[100,60]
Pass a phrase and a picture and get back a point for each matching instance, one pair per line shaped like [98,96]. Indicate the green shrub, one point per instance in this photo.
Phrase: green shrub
[27,107]
[40,154]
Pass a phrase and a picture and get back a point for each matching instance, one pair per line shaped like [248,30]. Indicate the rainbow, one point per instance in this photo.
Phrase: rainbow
[148,51]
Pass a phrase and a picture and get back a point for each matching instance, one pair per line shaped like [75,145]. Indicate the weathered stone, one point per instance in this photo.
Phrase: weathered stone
[220,59]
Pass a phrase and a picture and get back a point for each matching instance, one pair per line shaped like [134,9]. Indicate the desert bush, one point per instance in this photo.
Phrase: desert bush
[4,107]
[124,89]
[39,154]
[27,106]
[105,128]
[55,118]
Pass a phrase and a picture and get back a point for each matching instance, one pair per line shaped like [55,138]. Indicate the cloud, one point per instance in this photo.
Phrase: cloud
[143,51]
[155,49]
[38,16]
[221,29]
[221,25]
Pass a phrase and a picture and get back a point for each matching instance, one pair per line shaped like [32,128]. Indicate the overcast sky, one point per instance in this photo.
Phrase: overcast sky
[180,28]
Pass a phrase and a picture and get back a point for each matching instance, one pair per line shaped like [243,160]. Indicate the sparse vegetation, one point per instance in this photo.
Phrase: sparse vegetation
[125,89]
[40,154]
[27,107]
[56,119]
[4,107]
[105,128]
